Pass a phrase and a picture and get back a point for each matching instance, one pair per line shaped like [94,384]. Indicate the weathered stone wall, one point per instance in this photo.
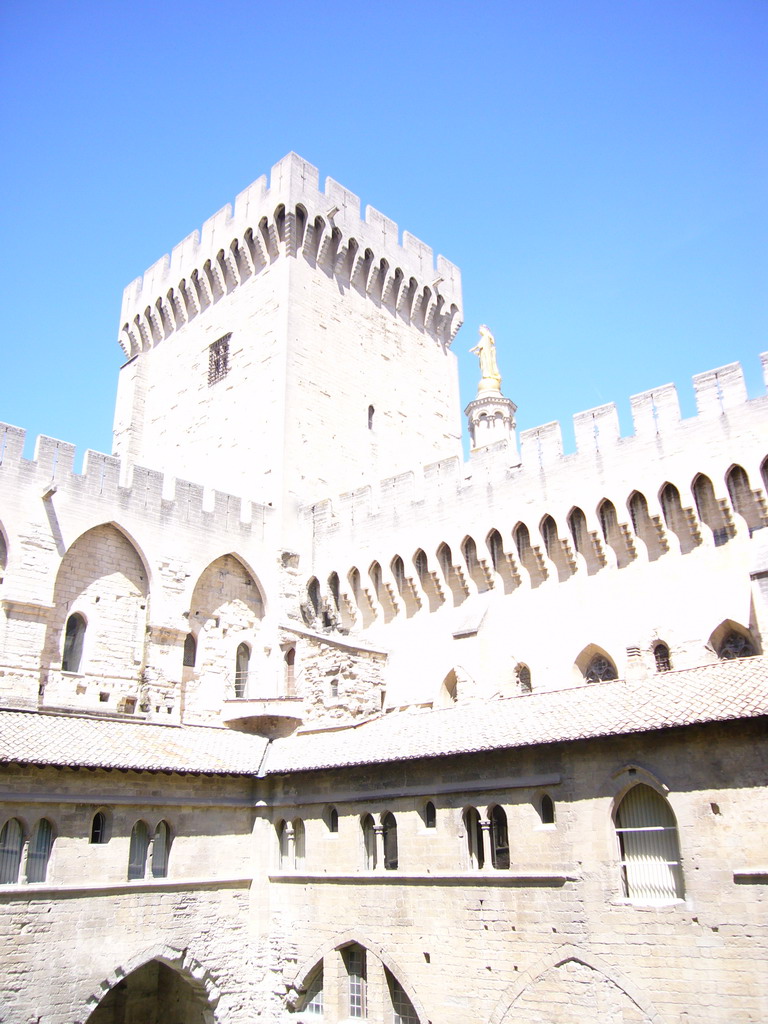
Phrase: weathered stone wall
[552,938]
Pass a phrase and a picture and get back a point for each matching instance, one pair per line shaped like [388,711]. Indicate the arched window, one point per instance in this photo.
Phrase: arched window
[335,588]
[74,635]
[283,849]
[190,650]
[600,670]
[661,655]
[523,674]
[39,851]
[242,660]
[743,498]
[299,843]
[137,855]
[354,960]
[474,838]
[736,645]
[333,820]
[547,810]
[11,843]
[496,549]
[709,509]
[577,524]
[402,1007]
[313,997]
[499,838]
[99,828]
[430,815]
[369,842]
[313,593]
[648,845]
[161,848]
[289,660]
[389,836]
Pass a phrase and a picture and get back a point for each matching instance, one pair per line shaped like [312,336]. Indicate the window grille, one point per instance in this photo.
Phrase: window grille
[648,844]
[11,842]
[663,661]
[160,851]
[218,360]
[137,855]
[313,1000]
[242,660]
[355,961]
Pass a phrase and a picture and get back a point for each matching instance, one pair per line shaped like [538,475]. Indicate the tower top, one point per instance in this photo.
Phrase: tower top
[284,218]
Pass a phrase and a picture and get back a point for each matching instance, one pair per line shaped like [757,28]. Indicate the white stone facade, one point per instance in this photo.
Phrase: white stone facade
[251,677]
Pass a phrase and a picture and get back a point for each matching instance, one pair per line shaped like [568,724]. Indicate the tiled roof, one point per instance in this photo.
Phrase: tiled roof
[31,737]
[712,693]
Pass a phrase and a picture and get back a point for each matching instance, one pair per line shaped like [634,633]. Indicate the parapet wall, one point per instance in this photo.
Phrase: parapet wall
[661,434]
[147,493]
[292,217]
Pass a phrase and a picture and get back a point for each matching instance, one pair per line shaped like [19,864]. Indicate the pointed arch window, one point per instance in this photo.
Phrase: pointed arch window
[403,1011]
[99,834]
[242,662]
[39,851]
[11,843]
[499,839]
[646,830]
[474,835]
[74,636]
[662,658]
[190,650]
[161,848]
[369,842]
[389,837]
[137,854]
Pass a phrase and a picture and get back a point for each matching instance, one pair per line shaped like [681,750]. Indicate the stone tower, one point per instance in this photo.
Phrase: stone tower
[291,349]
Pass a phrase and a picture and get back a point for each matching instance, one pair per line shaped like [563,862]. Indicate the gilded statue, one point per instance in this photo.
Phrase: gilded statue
[486,352]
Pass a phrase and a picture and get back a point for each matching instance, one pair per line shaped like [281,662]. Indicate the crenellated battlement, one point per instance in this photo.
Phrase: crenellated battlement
[291,217]
[659,429]
[146,493]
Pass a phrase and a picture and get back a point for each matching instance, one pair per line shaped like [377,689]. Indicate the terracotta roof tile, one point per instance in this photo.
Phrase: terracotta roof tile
[31,737]
[718,692]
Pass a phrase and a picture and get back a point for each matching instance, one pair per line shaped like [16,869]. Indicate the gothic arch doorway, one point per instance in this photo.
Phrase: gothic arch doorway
[154,994]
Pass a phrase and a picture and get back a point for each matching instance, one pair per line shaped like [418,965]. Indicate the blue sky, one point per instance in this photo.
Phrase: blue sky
[596,169]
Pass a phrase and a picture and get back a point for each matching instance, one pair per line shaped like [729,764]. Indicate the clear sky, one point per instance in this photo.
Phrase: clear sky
[596,168]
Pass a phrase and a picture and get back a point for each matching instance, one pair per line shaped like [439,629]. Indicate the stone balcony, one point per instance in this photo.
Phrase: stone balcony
[267,716]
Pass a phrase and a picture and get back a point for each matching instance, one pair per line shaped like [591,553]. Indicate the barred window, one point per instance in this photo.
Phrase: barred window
[354,957]
[650,854]
[218,359]
[403,1011]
